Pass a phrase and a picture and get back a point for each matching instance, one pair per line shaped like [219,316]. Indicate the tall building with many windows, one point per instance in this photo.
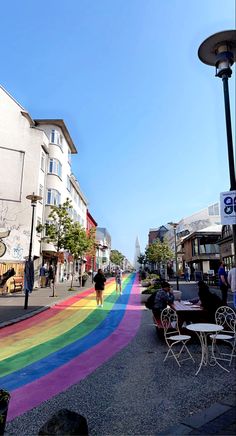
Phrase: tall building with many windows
[103,248]
[35,158]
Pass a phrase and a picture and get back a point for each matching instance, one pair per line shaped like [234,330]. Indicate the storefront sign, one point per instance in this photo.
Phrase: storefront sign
[228,207]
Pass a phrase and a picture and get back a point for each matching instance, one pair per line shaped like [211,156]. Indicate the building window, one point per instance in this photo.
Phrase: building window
[56,138]
[41,192]
[195,250]
[213,209]
[53,197]
[68,184]
[55,167]
[43,162]
[226,232]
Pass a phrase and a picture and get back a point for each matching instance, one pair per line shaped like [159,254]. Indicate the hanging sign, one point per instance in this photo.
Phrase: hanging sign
[228,207]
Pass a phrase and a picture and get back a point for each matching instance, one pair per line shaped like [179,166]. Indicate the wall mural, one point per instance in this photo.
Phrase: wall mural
[18,240]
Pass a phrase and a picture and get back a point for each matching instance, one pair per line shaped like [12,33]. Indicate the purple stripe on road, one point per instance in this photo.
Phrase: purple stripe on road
[33,394]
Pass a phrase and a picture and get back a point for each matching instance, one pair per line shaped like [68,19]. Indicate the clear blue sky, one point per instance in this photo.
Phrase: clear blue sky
[146,115]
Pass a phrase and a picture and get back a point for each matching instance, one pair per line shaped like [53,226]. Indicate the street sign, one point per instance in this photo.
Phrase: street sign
[228,207]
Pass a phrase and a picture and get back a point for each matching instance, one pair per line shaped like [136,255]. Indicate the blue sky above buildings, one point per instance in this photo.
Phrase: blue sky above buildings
[146,115]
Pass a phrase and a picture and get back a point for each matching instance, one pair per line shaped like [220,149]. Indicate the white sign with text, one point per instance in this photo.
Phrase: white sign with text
[228,207]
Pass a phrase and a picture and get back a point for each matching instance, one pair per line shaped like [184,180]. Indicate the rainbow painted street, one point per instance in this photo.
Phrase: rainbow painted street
[49,352]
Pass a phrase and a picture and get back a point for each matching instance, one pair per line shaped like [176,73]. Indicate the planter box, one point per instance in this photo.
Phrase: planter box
[145,284]
[4,402]
[144,297]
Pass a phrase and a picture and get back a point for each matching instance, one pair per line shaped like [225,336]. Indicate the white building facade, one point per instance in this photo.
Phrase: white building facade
[35,157]
[103,248]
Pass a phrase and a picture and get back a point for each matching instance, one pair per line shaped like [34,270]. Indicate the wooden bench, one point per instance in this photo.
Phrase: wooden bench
[18,284]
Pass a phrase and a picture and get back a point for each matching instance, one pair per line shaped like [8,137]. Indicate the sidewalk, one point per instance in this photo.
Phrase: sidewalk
[12,305]
[218,419]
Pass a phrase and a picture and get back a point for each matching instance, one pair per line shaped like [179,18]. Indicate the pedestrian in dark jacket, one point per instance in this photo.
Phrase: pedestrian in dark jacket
[208,300]
[224,285]
[99,280]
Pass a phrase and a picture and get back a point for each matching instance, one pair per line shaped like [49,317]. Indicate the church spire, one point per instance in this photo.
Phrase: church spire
[136,254]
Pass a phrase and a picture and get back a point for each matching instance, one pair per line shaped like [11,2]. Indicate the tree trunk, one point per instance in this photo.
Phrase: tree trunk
[166,277]
[80,274]
[72,275]
[54,279]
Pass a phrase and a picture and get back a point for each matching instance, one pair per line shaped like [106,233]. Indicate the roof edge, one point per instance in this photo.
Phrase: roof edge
[60,123]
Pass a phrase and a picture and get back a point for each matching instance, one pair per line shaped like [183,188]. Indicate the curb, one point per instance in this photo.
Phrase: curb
[216,419]
[30,314]
[23,317]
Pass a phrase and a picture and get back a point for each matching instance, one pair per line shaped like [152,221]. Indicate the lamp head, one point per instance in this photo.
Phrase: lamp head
[173,224]
[219,50]
[34,198]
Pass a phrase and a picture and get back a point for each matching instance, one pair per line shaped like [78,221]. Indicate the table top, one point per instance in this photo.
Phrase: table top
[185,305]
[204,327]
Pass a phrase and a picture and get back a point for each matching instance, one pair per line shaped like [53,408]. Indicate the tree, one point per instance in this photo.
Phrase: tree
[141,259]
[159,252]
[92,246]
[57,229]
[78,242]
[116,257]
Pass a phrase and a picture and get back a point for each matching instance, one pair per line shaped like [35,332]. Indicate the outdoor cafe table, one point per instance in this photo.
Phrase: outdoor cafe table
[202,330]
[188,312]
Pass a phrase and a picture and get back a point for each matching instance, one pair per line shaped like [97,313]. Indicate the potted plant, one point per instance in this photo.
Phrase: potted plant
[84,278]
[4,402]
[145,293]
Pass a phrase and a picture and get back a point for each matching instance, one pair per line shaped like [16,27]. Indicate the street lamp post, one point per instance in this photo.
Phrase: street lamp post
[219,50]
[174,225]
[33,198]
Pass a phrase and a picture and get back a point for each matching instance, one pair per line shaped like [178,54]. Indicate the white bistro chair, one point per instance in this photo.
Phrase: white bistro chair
[173,337]
[226,317]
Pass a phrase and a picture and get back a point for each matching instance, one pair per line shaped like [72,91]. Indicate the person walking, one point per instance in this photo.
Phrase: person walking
[232,282]
[99,280]
[187,273]
[42,275]
[222,274]
[119,280]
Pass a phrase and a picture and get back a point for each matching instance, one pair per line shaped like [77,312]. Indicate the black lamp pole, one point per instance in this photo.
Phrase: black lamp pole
[30,251]
[230,148]
[174,225]
[176,260]
[229,134]
[33,198]
[219,50]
